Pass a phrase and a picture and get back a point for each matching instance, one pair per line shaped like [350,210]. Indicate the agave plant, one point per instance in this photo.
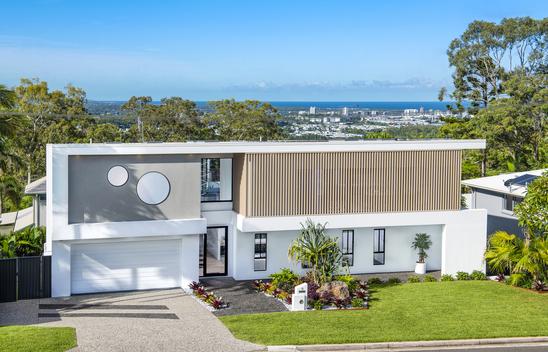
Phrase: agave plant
[318,251]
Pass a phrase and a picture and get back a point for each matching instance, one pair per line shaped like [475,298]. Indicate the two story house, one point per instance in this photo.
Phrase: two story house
[143,216]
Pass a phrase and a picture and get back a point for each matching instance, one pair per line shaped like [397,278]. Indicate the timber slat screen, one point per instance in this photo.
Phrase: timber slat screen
[25,278]
[285,184]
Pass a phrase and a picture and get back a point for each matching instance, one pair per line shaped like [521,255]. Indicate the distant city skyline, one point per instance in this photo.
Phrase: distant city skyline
[279,51]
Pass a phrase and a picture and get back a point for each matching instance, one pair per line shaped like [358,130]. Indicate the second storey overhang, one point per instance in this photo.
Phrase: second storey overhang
[269,179]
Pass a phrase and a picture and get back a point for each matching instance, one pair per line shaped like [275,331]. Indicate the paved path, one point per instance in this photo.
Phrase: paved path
[242,297]
[161,320]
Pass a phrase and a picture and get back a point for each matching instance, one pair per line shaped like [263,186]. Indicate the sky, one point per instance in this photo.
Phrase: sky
[308,50]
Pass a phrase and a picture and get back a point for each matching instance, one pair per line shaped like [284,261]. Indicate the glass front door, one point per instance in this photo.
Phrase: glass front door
[213,251]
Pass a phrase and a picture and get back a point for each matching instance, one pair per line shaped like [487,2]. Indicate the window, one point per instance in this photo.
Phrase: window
[347,247]
[260,252]
[216,180]
[510,202]
[378,247]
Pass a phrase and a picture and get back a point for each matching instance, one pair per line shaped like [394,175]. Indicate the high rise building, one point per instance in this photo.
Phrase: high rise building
[345,111]
[312,110]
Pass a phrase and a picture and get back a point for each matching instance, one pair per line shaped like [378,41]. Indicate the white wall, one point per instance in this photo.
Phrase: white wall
[459,240]
[399,256]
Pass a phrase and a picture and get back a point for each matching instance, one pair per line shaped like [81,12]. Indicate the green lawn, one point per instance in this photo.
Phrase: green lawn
[407,312]
[39,339]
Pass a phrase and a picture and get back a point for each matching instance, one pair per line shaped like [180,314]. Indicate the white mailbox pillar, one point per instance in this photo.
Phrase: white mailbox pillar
[299,298]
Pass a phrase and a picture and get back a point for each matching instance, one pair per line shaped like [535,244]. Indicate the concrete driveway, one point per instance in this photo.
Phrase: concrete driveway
[160,320]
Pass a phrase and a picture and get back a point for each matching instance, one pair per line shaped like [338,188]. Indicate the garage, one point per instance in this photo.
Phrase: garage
[124,266]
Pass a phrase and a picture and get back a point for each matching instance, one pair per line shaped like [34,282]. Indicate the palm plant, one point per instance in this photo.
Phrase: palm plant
[421,243]
[318,251]
[509,253]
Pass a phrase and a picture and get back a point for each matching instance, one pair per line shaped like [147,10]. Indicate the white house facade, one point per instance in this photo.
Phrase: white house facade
[142,216]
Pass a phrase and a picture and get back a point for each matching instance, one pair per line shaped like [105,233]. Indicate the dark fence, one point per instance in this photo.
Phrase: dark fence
[25,278]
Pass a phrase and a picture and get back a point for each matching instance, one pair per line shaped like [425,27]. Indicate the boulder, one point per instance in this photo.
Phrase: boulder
[335,289]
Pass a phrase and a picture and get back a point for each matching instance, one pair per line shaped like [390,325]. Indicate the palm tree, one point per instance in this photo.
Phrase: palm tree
[422,242]
[317,251]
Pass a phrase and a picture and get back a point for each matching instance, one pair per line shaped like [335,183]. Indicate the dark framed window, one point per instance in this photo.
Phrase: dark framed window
[378,246]
[216,180]
[347,247]
[509,202]
[259,259]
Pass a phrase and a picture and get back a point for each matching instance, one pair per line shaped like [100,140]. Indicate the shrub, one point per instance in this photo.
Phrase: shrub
[394,280]
[285,279]
[413,279]
[363,285]
[341,303]
[26,242]
[313,291]
[194,285]
[350,281]
[520,280]
[463,276]
[288,299]
[447,277]
[478,275]
[258,285]
[539,285]
[217,302]
[501,278]
[374,281]
[429,278]
[318,305]
[361,293]
[357,302]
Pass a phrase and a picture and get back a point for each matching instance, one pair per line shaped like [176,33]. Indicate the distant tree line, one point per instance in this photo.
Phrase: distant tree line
[32,115]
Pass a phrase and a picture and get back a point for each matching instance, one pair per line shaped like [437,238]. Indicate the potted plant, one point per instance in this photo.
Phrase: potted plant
[421,243]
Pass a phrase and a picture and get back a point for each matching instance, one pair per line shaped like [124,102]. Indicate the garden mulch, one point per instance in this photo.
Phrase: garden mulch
[241,296]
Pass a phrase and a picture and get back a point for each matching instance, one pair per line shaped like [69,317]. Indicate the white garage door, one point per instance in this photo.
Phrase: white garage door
[121,266]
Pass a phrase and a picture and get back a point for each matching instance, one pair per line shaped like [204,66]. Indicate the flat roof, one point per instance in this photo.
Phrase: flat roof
[497,183]
[268,147]
[36,187]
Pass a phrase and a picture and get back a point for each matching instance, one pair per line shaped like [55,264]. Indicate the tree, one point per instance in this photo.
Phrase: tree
[532,212]
[7,98]
[173,120]
[41,107]
[317,251]
[484,55]
[249,120]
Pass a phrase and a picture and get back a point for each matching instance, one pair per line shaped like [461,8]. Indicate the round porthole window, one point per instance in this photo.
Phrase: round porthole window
[153,188]
[117,176]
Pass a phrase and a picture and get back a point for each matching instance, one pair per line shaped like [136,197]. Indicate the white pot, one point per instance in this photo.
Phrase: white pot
[420,268]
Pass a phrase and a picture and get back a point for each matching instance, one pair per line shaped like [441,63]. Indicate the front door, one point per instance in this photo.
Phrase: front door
[214,251]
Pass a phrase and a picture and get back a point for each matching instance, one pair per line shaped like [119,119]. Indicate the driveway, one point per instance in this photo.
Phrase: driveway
[160,320]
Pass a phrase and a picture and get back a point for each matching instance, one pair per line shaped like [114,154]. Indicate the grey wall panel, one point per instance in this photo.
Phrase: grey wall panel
[93,199]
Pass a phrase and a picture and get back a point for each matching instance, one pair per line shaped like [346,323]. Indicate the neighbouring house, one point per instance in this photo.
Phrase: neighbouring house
[499,194]
[16,220]
[37,189]
[143,216]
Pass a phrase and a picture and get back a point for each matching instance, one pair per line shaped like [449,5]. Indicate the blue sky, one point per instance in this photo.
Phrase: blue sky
[267,50]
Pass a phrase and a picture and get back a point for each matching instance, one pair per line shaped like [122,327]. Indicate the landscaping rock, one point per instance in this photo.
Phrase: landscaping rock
[337,289]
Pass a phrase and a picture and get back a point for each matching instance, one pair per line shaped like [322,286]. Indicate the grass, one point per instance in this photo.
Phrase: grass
[407,312]
[32,338]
